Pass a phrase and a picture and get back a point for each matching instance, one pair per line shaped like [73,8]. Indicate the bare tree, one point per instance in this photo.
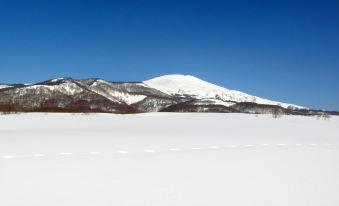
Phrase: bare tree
[277,112]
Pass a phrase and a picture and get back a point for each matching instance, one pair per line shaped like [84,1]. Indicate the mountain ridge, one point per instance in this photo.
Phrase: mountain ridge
[168,93]
[190,85]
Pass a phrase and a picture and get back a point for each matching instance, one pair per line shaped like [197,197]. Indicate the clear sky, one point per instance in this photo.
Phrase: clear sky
[281,50]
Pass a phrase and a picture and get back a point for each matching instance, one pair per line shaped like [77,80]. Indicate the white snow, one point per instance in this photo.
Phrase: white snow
[188,85]
[168,159]
[68,88]
[3,86]
[57,79]
[129,98]
[115,95]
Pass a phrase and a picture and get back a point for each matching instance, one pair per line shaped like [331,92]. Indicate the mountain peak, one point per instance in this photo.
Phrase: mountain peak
[175,78]
[187,85]
[182,84]
[55,81]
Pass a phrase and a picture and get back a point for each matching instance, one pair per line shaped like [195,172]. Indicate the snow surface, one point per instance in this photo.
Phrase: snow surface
[68,88]
[115,95]
[168,159]
[3,86]
[177,84]
[57,79]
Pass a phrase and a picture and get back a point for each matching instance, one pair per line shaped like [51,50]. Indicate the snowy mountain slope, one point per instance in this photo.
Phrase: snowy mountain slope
[112,92]
[58,95]
[3,86]
[154,104]
[170,93]
[123,92]
[189,86]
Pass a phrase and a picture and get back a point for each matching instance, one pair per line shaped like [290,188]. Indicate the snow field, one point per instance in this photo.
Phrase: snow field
[265,146]
[168,159]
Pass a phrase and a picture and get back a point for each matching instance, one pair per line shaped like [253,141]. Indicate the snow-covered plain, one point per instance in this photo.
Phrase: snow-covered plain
[168,159]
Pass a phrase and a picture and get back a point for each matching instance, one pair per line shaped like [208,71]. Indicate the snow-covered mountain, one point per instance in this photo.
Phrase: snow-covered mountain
[169,93]
[190,86]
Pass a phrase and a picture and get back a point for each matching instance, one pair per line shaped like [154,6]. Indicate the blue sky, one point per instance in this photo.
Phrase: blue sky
[281,50]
